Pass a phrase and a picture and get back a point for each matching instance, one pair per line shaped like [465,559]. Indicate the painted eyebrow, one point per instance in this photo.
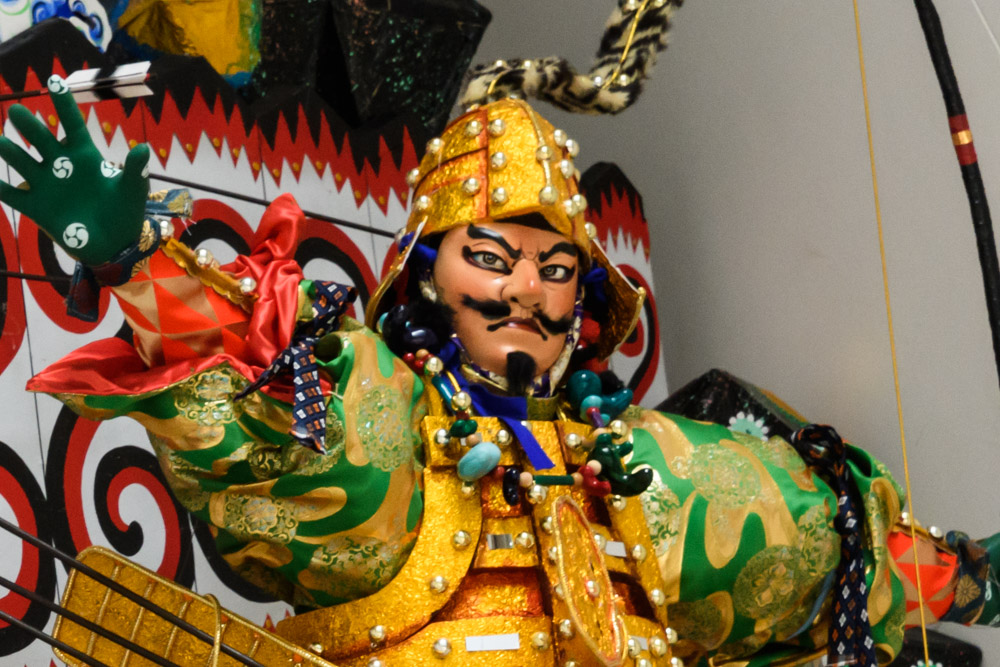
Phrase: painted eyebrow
[562,246]
[490,235]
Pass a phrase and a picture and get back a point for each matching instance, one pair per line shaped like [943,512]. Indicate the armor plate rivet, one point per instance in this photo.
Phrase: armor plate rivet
[438,584]
[541,641]
[441,648]
[497,127]
[537,494]
[461,539]
[524,540]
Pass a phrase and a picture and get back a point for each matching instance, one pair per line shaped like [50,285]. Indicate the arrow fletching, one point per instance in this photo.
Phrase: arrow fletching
[108,83]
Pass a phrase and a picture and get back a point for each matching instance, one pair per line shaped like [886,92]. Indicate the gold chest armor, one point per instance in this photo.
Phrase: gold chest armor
[561,579]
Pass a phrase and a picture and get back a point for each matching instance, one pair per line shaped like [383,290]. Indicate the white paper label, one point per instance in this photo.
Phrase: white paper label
[510,642]
[616,549]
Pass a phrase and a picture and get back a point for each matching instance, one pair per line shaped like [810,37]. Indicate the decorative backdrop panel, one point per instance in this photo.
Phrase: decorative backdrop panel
[73,482]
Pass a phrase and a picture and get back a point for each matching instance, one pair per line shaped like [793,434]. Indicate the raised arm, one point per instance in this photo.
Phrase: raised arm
[178,308]
[88,206]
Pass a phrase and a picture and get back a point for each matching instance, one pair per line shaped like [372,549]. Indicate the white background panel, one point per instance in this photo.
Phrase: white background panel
[750,151]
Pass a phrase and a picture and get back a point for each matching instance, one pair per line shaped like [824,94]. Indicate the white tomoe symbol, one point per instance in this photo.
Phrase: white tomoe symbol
[56,85]
[76,235]
[62,167]
[109,169]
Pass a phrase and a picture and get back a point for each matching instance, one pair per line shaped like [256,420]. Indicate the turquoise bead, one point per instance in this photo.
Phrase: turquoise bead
[478,461]
[616,403]
[591,401]
[581,385]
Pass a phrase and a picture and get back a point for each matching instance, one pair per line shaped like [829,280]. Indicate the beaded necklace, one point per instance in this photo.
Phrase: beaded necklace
[603,472]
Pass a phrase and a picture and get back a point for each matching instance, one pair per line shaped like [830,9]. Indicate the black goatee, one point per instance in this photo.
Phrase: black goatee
[520,373]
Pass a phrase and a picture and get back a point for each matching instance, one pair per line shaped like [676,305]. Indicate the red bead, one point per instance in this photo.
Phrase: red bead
[498,473]
[594,415]
[418,365]
[590,331]
[409,358]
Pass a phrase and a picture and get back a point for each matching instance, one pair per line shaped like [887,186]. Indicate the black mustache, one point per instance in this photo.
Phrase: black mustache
[492,309]
[560,326]
[488,308]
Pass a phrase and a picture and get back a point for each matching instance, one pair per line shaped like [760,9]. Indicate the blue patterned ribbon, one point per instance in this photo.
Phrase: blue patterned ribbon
[850,635]
[309,405]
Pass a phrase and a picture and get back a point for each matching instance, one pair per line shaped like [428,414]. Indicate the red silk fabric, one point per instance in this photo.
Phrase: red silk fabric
[112,367]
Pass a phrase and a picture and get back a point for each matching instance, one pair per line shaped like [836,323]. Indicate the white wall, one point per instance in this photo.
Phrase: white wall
[749,148]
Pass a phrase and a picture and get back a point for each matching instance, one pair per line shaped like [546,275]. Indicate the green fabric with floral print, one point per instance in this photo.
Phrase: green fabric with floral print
[743,531]
[313,529]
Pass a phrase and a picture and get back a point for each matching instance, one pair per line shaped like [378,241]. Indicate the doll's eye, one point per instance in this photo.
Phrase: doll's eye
[557,272]
[488,260]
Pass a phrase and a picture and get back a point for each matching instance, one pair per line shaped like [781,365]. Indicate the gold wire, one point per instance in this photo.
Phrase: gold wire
[493,83]
[618,68]
[628,44]
[454,381]
[892,338]
[213,657]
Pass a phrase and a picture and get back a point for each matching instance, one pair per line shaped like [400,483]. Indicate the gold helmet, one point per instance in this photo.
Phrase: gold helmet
[498,162]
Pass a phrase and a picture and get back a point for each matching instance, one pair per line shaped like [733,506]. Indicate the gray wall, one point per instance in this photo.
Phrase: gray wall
[749,148]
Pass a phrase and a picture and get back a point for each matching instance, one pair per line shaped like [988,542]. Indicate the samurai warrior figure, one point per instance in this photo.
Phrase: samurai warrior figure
[456,480]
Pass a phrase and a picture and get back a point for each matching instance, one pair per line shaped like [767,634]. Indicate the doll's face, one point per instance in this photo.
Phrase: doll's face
[512,288]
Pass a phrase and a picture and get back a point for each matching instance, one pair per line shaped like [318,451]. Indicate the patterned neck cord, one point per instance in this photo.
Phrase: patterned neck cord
[482,457]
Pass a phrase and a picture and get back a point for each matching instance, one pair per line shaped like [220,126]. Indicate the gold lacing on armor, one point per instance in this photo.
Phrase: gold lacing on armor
[119,615]
[474,573]
[209,275]
[213,657]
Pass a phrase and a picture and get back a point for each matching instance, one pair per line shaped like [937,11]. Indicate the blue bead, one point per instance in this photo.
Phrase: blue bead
[478,461]
[512,485]
[419,337]
[444,388]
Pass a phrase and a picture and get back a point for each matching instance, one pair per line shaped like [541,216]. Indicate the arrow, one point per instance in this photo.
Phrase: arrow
[104,83]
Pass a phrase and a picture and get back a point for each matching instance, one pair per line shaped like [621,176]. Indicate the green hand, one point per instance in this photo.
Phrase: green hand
[88,206]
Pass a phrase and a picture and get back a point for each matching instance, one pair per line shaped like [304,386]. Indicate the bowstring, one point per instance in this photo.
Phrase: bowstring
[892,338]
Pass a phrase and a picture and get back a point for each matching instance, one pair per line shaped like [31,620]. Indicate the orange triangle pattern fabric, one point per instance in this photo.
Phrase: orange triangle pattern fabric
[176,318]
[938,576]
[181,327]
